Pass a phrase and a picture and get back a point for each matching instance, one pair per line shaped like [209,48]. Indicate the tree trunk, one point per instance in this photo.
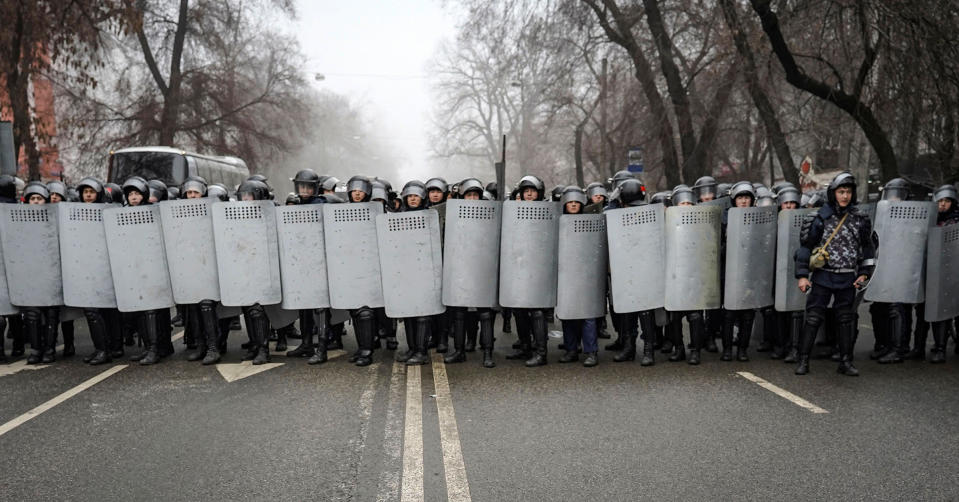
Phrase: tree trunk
[18,89]
[578,153]
[169,120]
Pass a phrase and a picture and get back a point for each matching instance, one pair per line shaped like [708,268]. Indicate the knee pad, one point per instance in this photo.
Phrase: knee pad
[365,314]
[694,316]
[485,315]
[815,316]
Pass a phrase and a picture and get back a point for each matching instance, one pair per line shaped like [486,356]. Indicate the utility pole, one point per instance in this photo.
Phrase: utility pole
[501,173]
[602,116]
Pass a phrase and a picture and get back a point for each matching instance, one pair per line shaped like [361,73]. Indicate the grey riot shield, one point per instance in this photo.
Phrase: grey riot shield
[248,263]
[722,202]
[637,257]
[471,253]
[280,317]
[788,296]
[84,259]
[581,278]
[299,231]
[750,257]
[869,209]
[6,308]
[942,274]
[190,251]
[141,278]
[352,256]
[692,258]
[528,254]
[902,228]
[411,261]
[31,254]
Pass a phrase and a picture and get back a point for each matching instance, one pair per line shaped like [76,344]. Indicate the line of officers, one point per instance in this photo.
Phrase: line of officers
[829,315]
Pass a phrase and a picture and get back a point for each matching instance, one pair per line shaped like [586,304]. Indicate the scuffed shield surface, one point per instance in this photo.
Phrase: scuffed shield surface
[411,261]
[141,277]
[788,296]
[190,250]
[248,263]
[302,258]
[903,228]
[528,254]
[352,255]
[942,274]
[84,259]
[637,257]
[471,253]
[692,258]
[583,264]
[750,257]
[31,254]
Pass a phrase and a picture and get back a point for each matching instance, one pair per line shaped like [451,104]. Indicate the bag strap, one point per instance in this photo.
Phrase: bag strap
[835,230]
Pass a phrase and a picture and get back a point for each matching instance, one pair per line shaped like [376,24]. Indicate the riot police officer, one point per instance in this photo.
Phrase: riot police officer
[947,204]
[360,189]
[743,195]
[576,331]
[684,196]
[895,318]
[414,198]
[789,324]
[706,189]
[851,261]
[41,323]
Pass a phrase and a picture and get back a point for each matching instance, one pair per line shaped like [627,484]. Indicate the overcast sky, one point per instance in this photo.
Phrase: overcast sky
[376,52]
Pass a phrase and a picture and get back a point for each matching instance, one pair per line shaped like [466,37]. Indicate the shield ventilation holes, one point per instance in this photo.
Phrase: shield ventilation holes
[86,214]
[351,214]
[759,218]
[588,226]
[301,215]
[25,215]
[640,218]
[908,213]
[189,211]
[534,213]
[951,235]
[476,212]
[144,217]
[243,213]
[696,218]
[406,223]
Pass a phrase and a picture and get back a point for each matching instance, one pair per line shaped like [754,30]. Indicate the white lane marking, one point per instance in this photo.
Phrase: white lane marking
[785,394]
[177,336]
[358,444]
[413,438]
[17,422]
[457,485]
[232,372]
[392,438]
[18,366]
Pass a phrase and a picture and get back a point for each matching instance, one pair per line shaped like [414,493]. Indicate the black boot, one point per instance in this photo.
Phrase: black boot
[409,330]
[938,353]
[319,350]
[470,345]
[728,326]
[507,325]
[486,337]
[32,324]
[363,324]
[745,333]
[421,354]
[696,334]
[459,338]
[261,333]
[148,331]
[283,335]
[540,340]
[795,328]
[647,322]
[305,349]
[897,337]
[803,367]
[814,320]
[69,350]
[98,333]
[194,326]
[50,329]
[210,331]
[918,352]
[441,333]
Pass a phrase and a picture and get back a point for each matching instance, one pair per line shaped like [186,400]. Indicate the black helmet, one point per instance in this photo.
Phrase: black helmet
[493,189]
[722,190]
[95,185]
[632,192]
[946,192]
[36,188]
[218,191]
[307,177]
[682,194]
[660,198]
[114,191]
[572,194]
[557,192]
[59,188]
[266,183]
[705,185]
[173,193]
[139,185]
[778,187]
[897,189]
[385,182]
[258,189]
[158,189]
[530,181]
[413,187]
[619,177]
[73,195]
[843,179]
[193,185]
[329,184]
[743,188]
[596,188]
[437,184]
[361,183]
[8,187]
[789,194]
[471,185]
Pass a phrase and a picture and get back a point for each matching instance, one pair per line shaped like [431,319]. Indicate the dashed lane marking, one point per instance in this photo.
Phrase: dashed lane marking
[457,486]
[389,486]
[30,415]
[785,394]
[412,484]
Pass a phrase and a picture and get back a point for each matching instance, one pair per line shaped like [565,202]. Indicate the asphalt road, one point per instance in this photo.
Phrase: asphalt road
[181,431]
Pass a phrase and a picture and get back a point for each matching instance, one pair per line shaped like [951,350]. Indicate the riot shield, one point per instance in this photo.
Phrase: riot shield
[471,253]
[788,296]
[942,274]
[247,259]
[141,277]
[750,257]
[84,259]
[637,257]
[902,228]
[411,261]
[868,209]
[6,308]
[190,250]
[722,202]
[299,231]
[352,256]
[692,258]
[280,317]
[581,278]
[528,254]
[31,254]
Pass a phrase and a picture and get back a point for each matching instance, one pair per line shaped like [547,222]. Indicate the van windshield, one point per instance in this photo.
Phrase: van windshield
[167,167]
